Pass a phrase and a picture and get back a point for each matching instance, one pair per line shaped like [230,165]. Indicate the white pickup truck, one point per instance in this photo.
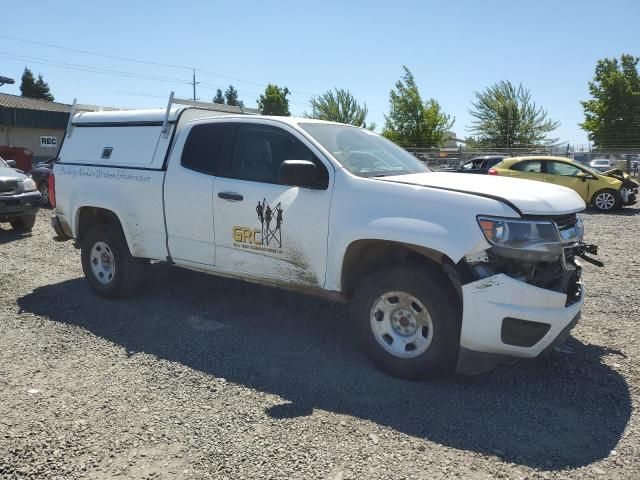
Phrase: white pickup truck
[444,271]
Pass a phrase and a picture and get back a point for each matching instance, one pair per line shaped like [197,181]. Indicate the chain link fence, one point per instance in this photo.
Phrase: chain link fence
[436,158]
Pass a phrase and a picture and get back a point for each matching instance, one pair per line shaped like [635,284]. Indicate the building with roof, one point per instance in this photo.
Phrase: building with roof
[38,125]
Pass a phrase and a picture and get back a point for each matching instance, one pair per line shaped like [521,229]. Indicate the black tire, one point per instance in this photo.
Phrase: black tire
[430,288]
[606,193]
[127,270]
[23,224]
[43,188]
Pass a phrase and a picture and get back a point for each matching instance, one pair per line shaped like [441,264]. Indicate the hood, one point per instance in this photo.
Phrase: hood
[529,196]
[621,175]
[7,172]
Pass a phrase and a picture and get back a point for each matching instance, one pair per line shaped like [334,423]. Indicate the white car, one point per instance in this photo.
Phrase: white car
[601,164]
[443,271]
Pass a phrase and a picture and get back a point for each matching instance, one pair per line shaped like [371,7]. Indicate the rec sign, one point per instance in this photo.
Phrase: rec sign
[48,142]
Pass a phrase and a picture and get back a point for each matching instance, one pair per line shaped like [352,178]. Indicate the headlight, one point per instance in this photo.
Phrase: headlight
[523,239]
[28,185]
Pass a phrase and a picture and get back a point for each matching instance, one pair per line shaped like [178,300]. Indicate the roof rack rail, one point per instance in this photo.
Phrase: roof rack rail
[70,122]
[165,123]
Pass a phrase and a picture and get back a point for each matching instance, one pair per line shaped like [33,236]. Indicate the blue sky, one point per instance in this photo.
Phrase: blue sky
[452,48]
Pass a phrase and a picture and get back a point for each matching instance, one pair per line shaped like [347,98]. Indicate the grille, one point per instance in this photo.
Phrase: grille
[565,221]
[8,186]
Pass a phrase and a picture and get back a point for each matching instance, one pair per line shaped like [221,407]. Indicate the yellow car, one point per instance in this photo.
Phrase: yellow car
[604,191]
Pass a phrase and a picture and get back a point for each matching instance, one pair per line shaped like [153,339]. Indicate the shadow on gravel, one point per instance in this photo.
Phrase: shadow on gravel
[565,411]
[8,236]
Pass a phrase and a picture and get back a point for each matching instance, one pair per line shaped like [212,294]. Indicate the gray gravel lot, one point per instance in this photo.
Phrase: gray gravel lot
[200,377]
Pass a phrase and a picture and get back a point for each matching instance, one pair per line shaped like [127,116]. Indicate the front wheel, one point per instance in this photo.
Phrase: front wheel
[606,200]
[108,265]
[408,322]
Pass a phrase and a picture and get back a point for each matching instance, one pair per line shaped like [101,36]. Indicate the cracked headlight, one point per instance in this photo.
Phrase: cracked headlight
[28,185]
[522,239]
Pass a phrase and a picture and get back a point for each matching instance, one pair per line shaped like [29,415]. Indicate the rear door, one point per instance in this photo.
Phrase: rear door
[530,169]
[264,229]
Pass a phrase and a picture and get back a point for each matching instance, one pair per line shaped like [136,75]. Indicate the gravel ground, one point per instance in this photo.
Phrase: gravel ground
[200,377]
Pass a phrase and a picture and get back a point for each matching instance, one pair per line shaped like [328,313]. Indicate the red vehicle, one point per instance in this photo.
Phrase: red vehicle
[22,156]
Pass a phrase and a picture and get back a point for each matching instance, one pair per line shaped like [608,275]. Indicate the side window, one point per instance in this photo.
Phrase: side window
[261,149]
[530,166]
[563,169]
[203,147]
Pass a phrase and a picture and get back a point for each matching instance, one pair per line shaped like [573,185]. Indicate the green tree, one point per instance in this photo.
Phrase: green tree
[28,84]
[231,97]
[506,116]
[612,116]
[219,98]
[339,105]
[42,89]
[274,101]
[412,121]
[32,88]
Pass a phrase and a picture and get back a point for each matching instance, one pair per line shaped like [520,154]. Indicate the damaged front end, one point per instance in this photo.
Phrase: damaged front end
[629,188]
[522,295]
[540,251]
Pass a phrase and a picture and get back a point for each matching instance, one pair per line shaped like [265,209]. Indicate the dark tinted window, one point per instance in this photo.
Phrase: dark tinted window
[533,166]
[261,149]
[203,147]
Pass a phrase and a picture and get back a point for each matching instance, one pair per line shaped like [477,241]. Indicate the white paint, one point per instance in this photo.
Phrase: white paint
[488,301]
[318,225]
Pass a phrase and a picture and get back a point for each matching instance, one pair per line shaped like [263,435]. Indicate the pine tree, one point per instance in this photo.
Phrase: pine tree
[28,84]
[231,96]
[274,101]
[219,98]
[42,90]
[32,88]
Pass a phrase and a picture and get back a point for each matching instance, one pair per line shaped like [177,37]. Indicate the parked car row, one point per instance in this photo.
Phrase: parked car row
[598,184]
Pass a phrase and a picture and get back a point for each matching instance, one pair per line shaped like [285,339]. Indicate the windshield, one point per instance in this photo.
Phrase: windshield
[363,152]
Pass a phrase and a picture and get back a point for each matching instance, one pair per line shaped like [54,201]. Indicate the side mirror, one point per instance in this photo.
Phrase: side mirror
[583,176]
[11,163]
[297,173]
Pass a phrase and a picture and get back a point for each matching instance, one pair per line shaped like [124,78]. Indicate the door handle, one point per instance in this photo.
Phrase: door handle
[231,196]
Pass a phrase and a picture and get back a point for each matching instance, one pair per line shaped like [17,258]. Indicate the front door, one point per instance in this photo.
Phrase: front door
[264,229]
[565,174]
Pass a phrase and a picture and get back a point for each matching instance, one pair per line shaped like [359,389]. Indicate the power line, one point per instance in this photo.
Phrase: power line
[90,69]
[144,62]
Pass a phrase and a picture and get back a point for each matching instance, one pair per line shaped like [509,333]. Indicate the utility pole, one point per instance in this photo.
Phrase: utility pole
[194,83]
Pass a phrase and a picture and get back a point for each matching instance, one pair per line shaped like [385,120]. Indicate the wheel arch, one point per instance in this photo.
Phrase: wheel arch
[89,216]
[365,256]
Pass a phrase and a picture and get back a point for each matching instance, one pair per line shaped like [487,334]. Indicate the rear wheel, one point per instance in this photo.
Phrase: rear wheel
[23,224]
[43,188]
[408,322]
[108,265]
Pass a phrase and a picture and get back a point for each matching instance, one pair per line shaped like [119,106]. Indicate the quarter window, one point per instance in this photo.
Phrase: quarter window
[531,166]
[203,147]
